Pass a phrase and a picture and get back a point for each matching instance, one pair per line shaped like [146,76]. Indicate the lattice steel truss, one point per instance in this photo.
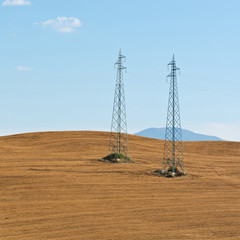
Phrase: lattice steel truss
[173,148]
[119,138]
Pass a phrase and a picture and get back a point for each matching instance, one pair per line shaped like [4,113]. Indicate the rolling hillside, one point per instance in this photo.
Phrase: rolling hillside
[52,186]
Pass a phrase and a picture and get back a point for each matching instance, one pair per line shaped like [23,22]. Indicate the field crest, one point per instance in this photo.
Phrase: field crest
[53,187]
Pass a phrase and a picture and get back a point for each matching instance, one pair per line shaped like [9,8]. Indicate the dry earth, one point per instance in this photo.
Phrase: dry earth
[53,187]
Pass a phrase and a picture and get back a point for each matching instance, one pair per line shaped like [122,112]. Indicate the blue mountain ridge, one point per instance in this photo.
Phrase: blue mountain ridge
[159,133]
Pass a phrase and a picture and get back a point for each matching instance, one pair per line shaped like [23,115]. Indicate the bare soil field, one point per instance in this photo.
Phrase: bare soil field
[52,186]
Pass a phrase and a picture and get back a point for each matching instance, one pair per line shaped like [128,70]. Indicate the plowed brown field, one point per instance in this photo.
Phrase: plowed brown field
[53,187]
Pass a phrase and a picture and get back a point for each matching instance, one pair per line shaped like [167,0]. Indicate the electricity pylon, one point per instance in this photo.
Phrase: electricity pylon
[173,148]
[119,138]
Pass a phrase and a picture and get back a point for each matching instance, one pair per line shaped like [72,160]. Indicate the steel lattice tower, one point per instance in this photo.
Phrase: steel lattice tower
[173,149]
[118,138]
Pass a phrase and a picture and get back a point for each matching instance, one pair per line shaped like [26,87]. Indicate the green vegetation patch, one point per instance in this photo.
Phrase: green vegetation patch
[117,158]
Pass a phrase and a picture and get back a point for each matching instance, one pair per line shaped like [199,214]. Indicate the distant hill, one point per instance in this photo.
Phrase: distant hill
[159,133]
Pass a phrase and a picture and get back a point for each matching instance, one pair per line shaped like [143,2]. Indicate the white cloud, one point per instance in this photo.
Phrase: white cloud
[23,68]
[63,24]
[16,2]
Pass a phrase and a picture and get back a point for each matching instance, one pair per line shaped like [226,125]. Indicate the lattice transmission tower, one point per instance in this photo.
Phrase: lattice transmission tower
[119,138]
[173,148]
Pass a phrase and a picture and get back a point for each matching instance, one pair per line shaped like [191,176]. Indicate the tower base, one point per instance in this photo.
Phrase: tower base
[117,158]
[169,173]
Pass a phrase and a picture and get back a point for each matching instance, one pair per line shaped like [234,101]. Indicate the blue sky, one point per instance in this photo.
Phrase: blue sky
[57,64]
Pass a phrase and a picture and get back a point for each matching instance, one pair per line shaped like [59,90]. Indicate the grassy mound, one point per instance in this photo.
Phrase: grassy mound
[117,158]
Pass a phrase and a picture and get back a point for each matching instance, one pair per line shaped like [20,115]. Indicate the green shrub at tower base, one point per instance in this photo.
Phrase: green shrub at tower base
[117,158]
